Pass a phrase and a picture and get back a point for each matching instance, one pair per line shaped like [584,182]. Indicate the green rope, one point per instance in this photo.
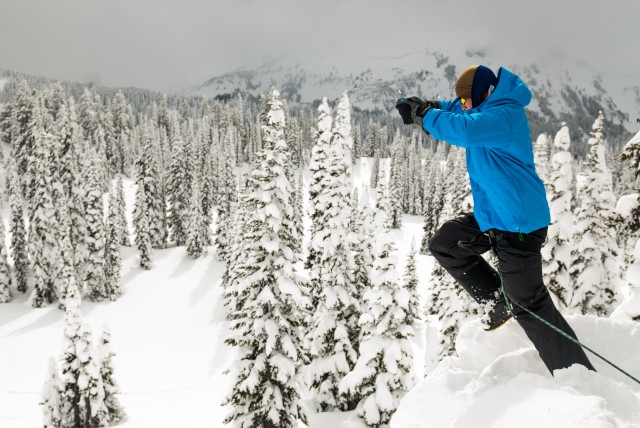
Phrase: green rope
[548,324]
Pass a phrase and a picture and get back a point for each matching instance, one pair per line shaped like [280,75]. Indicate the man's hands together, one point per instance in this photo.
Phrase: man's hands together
[412,110]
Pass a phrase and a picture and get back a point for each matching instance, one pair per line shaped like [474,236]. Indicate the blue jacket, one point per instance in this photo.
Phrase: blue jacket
[507,192]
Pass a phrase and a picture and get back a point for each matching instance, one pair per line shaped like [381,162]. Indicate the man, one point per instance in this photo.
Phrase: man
[511,213]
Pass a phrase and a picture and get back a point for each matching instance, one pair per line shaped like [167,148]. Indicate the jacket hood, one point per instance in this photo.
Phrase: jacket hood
[509,90]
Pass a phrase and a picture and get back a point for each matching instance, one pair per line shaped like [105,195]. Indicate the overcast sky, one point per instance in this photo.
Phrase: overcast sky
[165,45]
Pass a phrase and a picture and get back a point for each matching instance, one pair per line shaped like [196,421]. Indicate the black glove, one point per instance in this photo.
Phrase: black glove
[404,108]
[414,109]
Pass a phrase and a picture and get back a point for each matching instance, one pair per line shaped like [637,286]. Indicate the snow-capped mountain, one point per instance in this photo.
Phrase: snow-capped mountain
[565,89]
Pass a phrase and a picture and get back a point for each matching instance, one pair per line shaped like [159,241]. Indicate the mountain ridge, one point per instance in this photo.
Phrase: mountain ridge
[565,89]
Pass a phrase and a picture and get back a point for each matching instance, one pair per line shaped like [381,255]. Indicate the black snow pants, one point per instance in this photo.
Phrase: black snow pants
[457,245]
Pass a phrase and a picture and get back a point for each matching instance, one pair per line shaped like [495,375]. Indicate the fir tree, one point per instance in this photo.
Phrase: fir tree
[383,202]
[227,194]
[115,411]
[22,144]
[318,172]
[595,253]
[178,189]
[398,181]
[95,281]
[375,171]
[334,332]
[198,226]
[541,157]
[631,227]
[120,221]
[5,274]
[556,253]
[410,279]
[50,399]
[77,215]
[123,129]
[372,140]
[383,373]
[18,232]
[362,245]
[68,134]
[298,210]
[82,392]
[142,228]
[148,175]
[266,326]
[434,199]
[112,259]
[42,242]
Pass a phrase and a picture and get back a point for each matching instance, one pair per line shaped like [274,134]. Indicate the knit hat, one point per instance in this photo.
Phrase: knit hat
[474,82]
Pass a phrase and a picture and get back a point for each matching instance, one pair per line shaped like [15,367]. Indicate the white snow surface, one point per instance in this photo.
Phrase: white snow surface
[627,203]
[168,332]
[498,380]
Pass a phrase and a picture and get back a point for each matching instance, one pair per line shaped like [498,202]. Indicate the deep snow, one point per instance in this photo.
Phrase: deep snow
[169,326]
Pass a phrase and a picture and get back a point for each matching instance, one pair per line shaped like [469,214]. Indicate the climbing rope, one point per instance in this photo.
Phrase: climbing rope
[509,300]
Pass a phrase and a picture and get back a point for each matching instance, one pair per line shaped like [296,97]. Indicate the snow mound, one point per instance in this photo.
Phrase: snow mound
[498,380]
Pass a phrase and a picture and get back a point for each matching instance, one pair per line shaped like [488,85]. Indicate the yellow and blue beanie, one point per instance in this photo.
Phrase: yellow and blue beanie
[474,83]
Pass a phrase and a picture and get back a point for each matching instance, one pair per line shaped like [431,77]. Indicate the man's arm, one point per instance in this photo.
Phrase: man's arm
[489,128]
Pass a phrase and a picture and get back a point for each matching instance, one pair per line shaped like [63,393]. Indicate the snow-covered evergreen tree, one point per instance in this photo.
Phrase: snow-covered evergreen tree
[115,411]
[383,373]
[270,298]
[5,274]
[178,189]
[112,258]
[82,392]
[434,198]
[50,399]
[410,280]
[383,202]
[630,229]
[398,182]
[541,158]
[198,227]
[375,171]
[119,205]
[95,281]
[556,253]
[22,144]
[334,332]
[298,209]
[143,229]
[595,255]
[149,176]
[362,244]
[319,173]
[18,232]
[123,129]
[227,194]
[42,242]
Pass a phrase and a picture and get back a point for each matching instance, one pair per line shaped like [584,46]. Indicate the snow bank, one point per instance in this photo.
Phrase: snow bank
[626,204]
[498,380]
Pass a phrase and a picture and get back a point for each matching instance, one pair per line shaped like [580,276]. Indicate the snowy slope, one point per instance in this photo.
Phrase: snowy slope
[498,380]
[168,331]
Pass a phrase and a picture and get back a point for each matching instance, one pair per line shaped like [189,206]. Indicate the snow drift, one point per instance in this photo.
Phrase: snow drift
[498,380]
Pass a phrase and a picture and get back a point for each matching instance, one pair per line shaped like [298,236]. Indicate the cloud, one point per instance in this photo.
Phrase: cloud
[161,44]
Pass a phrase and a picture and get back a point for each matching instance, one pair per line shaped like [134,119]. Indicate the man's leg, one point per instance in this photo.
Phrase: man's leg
[457,246]
[521,267]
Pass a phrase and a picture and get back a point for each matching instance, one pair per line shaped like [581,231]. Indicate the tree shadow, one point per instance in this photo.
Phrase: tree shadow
[51,314]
